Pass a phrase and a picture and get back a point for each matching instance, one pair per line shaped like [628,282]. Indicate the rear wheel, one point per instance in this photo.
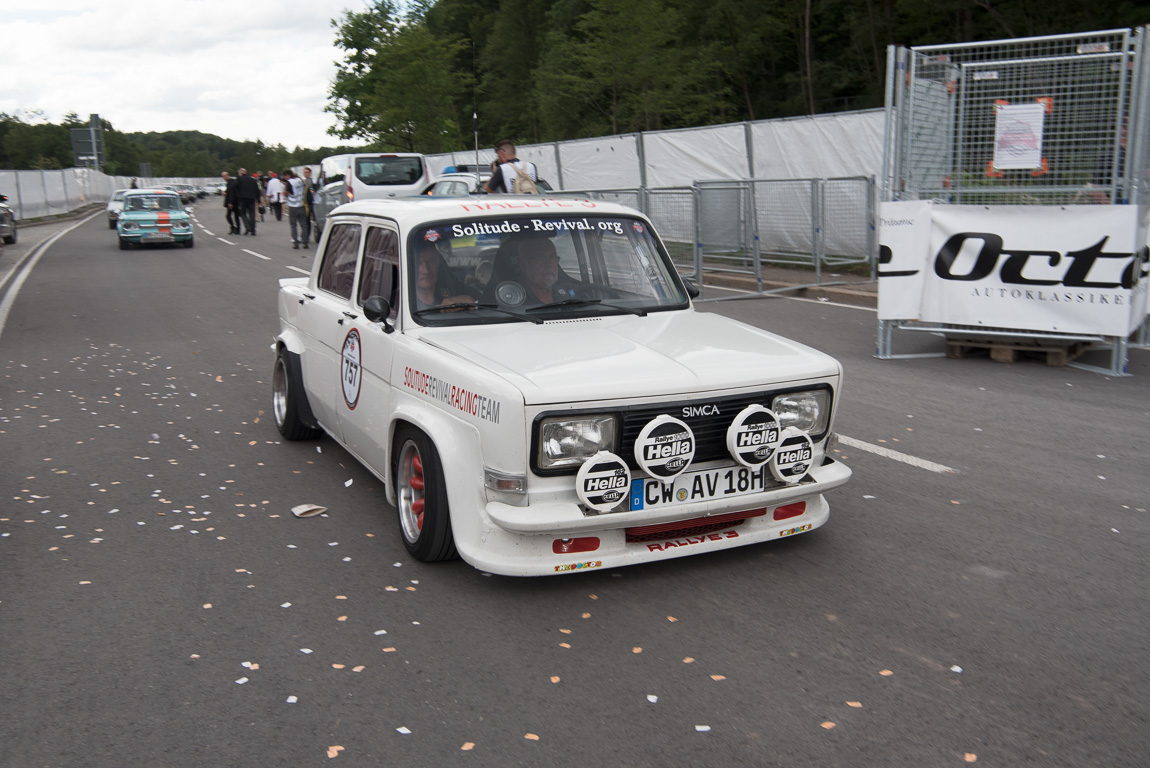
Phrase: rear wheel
[287,399]
[421,497]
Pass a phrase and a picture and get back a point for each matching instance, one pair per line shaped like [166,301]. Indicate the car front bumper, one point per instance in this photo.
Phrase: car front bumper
[529,540]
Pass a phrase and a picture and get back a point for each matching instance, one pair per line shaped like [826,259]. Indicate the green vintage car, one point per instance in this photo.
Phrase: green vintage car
[153,216]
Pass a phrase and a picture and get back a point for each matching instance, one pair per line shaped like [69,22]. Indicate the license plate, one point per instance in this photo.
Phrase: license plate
[690,487]
[158,237]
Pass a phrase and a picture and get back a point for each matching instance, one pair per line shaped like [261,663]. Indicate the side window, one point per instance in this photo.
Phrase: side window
[380,273]
[337,273]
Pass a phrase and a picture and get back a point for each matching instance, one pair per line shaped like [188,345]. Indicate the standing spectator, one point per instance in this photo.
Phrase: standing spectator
[247,193]
[297,210]
[262,200]
[275,193]
[510,174]
[309,201]
[230,203]
[134,183]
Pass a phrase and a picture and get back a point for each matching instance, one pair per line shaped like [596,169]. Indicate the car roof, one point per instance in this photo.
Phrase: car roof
[419,209]
[151,191]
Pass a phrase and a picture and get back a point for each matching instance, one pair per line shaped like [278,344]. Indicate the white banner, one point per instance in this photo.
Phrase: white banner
[1063,269]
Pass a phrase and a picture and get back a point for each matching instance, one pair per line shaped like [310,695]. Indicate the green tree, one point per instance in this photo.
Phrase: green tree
[396,87]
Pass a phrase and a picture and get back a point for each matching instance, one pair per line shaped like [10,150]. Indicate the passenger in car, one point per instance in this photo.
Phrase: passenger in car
[537,263]
[435,285]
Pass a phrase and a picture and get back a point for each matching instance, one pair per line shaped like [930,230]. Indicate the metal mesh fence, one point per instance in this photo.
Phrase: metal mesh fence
[848,208]
[672,211]
[1039,121]
[785,219]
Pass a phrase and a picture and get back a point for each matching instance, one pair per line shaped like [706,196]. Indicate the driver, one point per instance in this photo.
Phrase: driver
[537,263]
[433,288]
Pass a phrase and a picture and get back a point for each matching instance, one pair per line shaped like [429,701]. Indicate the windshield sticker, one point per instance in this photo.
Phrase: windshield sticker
[459,398]
[351,368]
[638,227]
[543,202]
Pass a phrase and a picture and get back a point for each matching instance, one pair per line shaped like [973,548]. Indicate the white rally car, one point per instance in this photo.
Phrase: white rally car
[530,381]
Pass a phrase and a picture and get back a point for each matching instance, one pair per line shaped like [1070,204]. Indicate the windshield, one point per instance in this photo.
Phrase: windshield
[534,268]
[152,203]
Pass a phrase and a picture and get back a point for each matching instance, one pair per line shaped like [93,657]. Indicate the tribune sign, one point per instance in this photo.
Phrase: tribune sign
[1064,269]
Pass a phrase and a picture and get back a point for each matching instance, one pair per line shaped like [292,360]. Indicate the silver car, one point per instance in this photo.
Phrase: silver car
[114,206]
[7,222]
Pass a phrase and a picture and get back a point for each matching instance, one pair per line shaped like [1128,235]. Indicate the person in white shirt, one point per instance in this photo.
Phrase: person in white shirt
[297,210]
[275,193]
[503,173]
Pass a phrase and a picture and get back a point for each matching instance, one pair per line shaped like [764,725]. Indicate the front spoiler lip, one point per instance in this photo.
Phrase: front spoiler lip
[562,517]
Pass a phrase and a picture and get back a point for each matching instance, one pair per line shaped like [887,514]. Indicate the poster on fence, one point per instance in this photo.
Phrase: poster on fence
[1061,269]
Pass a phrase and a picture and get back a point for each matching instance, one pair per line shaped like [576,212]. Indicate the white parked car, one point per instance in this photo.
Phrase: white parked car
[529,379]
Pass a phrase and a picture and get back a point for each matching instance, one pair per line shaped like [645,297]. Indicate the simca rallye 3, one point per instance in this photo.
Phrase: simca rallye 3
[153,216]
[530,381]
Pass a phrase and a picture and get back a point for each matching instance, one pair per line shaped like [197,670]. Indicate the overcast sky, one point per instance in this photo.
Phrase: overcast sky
[240,69]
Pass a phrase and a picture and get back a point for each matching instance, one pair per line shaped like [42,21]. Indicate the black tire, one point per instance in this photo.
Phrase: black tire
[124,244]
[189,242]
[11,239]
[289,403]
[111,225]
[421,497]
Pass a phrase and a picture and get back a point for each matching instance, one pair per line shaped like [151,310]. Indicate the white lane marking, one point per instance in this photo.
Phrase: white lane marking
[297,269]
[226,242]
[887,453]
[207,231]
[260,255]
[14,289]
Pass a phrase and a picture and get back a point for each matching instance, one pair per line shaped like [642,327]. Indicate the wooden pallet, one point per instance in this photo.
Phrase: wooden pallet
[1006,350]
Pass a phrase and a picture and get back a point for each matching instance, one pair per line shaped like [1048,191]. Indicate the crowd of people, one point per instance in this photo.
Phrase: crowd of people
[248,197]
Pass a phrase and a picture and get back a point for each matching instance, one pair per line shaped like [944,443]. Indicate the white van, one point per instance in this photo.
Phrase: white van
[367,176]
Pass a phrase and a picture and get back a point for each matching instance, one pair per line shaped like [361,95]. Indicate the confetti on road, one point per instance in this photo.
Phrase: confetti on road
[380,632]
[285,605]
[672,619]
[636,649]
[305,650]
[970,757]
[241,681]
[957,669]
[388,650]
[886,672]
[333,751]
[828,725]
[338,666]
[207,605]
[564,645]
[348,483]
[855,704]
[292,699]
[468,746]
[359,668]
[718,677]
[531,737]
[702,728]
[652,698]
[403,729]
[555,678]
[688,660]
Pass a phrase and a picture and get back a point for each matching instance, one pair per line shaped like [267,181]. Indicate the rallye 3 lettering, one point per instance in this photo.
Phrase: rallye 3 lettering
[688,541]
[461,399]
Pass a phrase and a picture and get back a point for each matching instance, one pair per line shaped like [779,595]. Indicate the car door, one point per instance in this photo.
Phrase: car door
[367,358]
[323,323]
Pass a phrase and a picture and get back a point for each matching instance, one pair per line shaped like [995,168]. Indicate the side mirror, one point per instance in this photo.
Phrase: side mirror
[692,289]
[376,309]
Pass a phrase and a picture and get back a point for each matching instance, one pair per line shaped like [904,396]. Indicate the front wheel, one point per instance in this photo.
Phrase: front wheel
[287,391]
[189,242]
[124,244]
[421,498]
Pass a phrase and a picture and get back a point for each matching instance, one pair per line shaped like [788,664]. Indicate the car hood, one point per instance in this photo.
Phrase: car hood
[603,358]
[153,215]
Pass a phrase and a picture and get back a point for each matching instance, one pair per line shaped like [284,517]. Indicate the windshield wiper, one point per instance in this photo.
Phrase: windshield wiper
[470,305]
[584,302]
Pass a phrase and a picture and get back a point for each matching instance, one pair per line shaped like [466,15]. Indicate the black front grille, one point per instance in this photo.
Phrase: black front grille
[710,430]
